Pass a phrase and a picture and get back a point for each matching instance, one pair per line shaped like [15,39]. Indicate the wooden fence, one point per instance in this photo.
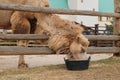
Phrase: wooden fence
[14,50]
[28,8]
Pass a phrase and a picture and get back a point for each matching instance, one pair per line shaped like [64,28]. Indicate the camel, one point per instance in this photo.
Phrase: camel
[63,34]
[44,23]
[21,22]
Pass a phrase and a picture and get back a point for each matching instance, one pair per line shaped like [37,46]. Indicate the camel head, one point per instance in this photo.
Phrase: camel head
[78,48]
[81,39]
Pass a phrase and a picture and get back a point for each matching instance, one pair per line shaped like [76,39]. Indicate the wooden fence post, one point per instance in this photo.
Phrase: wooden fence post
[96,29]
[96,33]
[116,28]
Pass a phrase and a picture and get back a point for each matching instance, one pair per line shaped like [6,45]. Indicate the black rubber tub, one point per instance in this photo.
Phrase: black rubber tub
[77,65]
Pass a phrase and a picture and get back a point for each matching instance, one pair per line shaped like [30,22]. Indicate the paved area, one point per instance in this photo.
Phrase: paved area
[42,60]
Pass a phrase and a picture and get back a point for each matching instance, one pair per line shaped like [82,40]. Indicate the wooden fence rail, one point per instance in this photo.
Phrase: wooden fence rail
[37,37]
[103,37]
[22,36]
[15,50]
[18,7]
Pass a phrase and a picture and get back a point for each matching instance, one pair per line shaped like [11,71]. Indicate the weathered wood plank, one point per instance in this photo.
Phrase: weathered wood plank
[19,7]
[116,28]
[103,37]
[15,50]
[7,50]
[22,36]
[96,50]
[37,37]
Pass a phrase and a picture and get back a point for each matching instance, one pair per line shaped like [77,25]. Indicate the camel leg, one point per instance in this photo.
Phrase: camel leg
[21,62]
[21,25]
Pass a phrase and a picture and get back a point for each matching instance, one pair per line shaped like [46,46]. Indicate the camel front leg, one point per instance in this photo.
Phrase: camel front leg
[21,62]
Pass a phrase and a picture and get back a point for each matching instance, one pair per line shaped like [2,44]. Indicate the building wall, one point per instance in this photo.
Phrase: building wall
[94,5]
[59,4]
[106,5]
[88,5]
[99,5]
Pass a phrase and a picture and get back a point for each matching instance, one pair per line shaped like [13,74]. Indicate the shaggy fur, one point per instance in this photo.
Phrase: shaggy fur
[21,22]
[65,36]
[6,15]
[53,24]
[57,42]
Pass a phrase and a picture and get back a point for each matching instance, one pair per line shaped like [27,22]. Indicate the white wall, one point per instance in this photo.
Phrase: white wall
[72,4]
[86,5]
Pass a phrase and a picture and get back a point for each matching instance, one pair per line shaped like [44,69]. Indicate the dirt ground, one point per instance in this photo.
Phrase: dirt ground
[108,69]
